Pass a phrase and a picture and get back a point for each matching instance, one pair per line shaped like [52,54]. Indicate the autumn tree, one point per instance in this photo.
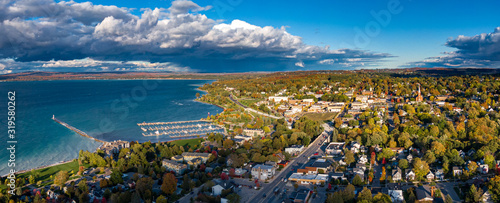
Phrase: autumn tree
[169,185]
[420,167]
[349,157]
[61,178]
[365,195]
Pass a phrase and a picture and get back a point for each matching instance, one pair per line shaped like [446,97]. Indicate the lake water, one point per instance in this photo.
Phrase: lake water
[105,109]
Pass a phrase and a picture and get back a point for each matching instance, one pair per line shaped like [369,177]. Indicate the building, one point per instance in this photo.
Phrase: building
[396,174]
[322,165]
[457,171]
[194,162]
[335,148]
[410,175]
[483,168]
[396,195]
[253,132]
[294,149]
[278,99]
[419,96]
[217,189]
[177,158]
[308,170]
[188,156]
[430,176]
[301,196]
[263,172]
[315,179]
[439,174]
[111,148]
[425,194]
[170,165]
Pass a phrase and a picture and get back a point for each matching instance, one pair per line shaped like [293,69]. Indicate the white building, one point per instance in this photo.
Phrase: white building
[263,172]
[294,149]
[278,99]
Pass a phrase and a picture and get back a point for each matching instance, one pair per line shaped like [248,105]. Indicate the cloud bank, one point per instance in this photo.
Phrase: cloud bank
[482,50]
[70,36]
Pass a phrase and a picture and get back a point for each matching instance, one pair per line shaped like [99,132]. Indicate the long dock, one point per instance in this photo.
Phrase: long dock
[76,130]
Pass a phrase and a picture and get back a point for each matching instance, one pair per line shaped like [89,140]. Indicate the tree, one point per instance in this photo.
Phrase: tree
[348,193]
[349,156]
[474,195]
[197,95]
[420,167]
[386,153]
[161,199]
[336,197]
[143,185]
[365,195]
[494,188]
[438,148]
[228,143]
[357,181]
[472,167]
[403,164]
[169,183]
[382,198]
[233,198]
[116,177]
[61,178]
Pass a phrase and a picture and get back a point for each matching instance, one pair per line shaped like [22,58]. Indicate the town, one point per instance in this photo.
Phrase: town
[339,136]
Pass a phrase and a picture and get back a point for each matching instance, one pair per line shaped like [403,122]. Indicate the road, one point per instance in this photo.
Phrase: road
[252,110]
[299,161]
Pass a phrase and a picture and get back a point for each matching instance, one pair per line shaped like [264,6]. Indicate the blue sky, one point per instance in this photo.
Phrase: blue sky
[417,34]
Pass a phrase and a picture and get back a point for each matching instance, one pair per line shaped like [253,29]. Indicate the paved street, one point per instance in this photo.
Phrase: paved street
[299,161]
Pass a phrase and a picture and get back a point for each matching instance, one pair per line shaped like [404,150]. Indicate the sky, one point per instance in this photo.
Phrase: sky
[243,35]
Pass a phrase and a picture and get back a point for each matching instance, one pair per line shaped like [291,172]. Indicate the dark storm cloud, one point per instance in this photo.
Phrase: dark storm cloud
[179,38]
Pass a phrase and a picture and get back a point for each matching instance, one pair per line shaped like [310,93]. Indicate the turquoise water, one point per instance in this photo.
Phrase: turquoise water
[105,109]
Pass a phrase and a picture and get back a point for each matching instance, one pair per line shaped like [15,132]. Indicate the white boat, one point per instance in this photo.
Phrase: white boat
[157,132]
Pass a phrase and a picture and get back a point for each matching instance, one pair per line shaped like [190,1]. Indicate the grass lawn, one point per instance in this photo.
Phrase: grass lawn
[321,117]
[188,142]
[247,102]
[45,173]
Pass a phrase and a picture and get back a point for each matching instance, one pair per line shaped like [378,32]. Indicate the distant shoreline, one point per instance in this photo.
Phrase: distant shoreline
[83,79]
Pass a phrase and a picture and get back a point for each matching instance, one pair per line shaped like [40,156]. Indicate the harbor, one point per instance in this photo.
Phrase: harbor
[180,129]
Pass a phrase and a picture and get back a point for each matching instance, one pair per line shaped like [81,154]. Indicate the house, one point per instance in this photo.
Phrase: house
[170,165]
[188,156]
[363,159]
[397,150]
[339,176]
[177,158]
[457,171]
[396,174]
[263,172]
[409,158]
[194,162]
[315,179]
[430,176]
[424,194]
[439,174]
[360,172]
[254,132]
[483,168]
[301,196]
[294,149]
[355,146]
[335,148]
[396,196]
[217,189]
[410,175]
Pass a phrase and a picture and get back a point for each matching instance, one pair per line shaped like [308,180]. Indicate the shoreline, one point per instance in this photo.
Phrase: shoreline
[77,79]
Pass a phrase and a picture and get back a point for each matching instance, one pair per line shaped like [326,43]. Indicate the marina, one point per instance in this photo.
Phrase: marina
[178,129]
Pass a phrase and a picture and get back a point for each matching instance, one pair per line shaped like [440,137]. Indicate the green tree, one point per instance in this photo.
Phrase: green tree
[161,199]
[403,164]
[349,157]
[474,195]
[356,181]
[365,194]
[494,188]
[382,198]
[116,177]
[336,197]
[233,198]
[386,153]
[348,194]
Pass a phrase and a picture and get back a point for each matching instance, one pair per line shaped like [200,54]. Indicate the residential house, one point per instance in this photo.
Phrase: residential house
[396,174]
[396,196]
[263,172]
[457,171]
[410,175]
[217,189]
[339,176]
[363,159]
[430,176]
[409,158]
[439,174]
[424,194]
[483,168]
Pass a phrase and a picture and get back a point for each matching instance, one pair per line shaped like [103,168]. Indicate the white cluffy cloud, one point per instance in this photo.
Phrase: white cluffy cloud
[83,35]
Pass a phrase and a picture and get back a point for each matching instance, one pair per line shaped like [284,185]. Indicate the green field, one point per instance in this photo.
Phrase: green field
[247,102]
[321,117]
[45,173]
[188,142]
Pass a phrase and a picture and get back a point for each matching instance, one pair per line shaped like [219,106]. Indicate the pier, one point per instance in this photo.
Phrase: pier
[178,129]
[75,129]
